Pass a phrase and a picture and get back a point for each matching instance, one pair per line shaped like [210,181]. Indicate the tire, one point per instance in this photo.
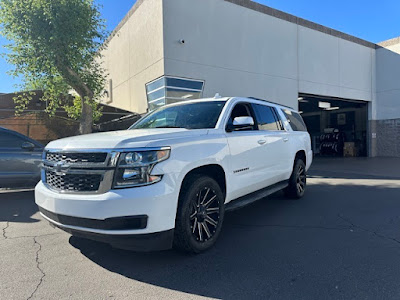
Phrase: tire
[297,181]
[200,215]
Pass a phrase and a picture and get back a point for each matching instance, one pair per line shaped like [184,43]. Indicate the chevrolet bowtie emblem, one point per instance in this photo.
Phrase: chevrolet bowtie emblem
[60,167]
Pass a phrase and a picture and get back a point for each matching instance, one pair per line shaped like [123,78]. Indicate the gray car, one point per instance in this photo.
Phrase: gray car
[20,159]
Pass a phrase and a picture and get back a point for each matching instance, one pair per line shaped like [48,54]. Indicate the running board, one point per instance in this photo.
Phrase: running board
[258,195]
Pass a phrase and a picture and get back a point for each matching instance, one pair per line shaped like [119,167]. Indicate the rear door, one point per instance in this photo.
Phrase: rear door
[276,149]
[19,167]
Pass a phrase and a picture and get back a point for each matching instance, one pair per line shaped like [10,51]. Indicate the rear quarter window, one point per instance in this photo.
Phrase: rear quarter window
[295,120]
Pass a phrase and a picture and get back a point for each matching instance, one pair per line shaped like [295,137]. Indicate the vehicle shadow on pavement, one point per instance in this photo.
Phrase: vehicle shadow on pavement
[18,207]
[278,248]
[356,168]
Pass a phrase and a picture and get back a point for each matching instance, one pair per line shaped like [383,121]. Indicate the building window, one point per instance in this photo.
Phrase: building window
[167,89]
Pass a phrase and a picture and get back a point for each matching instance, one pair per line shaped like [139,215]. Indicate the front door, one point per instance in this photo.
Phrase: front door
[247,160]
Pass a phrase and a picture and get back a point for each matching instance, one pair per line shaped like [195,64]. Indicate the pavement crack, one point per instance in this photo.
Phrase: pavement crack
[369,230]
[4,230]
[38,267]
[7,226]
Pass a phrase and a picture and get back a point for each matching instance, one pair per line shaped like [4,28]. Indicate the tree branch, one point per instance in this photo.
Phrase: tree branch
[88,92]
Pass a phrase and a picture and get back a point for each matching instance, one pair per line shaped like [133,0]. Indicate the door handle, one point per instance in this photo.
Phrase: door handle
[262,142]
[286,140]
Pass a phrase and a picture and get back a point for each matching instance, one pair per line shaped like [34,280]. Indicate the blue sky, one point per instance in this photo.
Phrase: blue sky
[371,20]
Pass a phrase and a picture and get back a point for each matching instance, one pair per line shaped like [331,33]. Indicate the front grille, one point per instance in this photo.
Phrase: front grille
[76,157]
[74,182]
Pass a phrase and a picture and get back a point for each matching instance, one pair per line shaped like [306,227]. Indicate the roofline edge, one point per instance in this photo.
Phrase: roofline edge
[300,21]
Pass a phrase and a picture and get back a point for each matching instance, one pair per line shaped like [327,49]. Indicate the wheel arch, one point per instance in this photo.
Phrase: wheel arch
[301,154]
[214,171]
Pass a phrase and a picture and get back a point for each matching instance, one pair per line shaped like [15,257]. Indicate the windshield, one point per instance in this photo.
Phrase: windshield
[198,115]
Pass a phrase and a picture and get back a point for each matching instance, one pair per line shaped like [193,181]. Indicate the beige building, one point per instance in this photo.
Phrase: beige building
[165,51]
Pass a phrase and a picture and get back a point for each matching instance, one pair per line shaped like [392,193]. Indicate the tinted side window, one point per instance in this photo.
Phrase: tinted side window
[295,120]
[265,117]
[8,140]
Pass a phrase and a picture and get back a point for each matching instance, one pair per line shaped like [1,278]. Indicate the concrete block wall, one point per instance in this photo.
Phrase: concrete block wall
[387,140]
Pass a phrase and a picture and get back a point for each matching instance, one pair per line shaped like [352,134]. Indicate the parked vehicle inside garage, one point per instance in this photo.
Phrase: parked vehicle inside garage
[20,159]
[169,179]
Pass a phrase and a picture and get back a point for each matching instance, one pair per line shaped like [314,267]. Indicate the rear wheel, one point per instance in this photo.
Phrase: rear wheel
[200,215]
[297,181]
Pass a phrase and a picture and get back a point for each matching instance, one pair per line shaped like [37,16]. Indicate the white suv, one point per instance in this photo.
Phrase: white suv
[168,180]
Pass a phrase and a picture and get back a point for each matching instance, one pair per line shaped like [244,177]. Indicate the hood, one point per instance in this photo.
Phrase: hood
[136,138]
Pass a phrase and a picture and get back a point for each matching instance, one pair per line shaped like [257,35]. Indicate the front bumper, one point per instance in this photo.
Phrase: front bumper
[110,217]
[119,223]
[134,242]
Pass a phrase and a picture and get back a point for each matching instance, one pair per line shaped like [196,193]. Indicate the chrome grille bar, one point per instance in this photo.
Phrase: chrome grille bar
[79,171]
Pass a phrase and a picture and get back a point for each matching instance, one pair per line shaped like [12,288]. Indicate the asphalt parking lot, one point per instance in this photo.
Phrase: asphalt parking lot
[342,241]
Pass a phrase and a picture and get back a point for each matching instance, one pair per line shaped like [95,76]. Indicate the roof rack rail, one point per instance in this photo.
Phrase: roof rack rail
[254,98]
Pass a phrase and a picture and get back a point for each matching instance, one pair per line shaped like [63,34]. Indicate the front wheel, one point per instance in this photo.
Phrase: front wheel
[200,215]
[297,181]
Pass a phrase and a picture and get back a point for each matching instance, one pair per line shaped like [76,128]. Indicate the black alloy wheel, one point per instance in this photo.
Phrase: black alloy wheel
[301,178]
[297,181]
[204,217]
[200,214]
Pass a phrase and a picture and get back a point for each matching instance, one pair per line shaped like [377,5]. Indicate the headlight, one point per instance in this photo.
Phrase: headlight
[134,168]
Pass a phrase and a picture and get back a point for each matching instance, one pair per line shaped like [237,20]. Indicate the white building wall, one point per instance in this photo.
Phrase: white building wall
[386,121]
[237,51]
[135,56]
[243,52]
[331,66]
[253,51]
[388,82]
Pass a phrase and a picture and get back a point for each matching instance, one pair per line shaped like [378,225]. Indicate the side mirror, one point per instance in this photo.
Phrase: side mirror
[243,121]
[28,146]
[240,123]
